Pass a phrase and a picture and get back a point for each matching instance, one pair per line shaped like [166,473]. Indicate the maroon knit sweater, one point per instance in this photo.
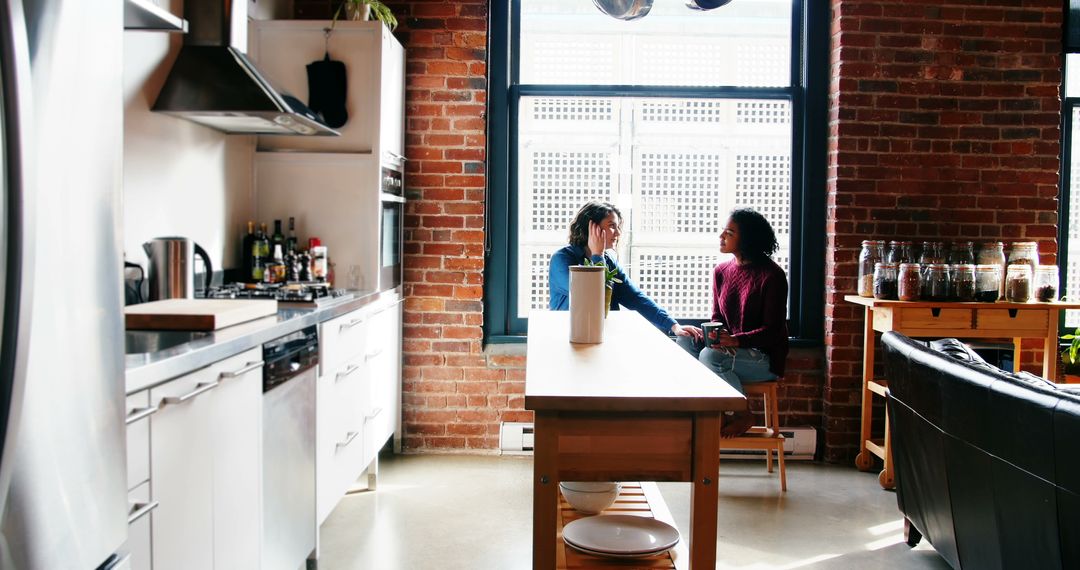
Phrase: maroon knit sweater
[752,301]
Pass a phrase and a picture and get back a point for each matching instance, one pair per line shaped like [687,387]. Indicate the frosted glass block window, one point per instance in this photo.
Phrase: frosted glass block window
[1072,271]
[570,42]
[675,167]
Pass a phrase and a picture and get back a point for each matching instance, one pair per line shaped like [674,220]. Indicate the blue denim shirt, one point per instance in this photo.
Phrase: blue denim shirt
[626,294]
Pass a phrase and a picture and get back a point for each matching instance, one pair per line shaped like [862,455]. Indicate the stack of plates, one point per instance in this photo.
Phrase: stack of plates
[620,536]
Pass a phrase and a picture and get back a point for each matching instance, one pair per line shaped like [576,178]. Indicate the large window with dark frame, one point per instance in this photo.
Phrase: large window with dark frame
[676,118]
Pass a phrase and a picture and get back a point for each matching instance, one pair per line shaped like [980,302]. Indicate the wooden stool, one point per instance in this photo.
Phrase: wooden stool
[768,436]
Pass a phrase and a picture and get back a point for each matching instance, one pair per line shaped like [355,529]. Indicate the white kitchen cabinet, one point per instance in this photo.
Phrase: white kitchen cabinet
[206,468]
[138,541]
[383,357]
[375,75]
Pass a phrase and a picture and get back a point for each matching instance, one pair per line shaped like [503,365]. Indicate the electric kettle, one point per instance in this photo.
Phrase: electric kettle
[172,267]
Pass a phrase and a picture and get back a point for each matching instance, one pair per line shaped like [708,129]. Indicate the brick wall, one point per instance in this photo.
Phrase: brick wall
[944,123]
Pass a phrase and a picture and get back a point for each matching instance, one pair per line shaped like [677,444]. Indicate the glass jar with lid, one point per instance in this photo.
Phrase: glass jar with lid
[962,253]
[936,283]
[993,253]
[1025,252]
[963,282]
[1018,283]
[1046,283]
[909,282]
[988,282]
[900,252]
[885,281]
[873,252]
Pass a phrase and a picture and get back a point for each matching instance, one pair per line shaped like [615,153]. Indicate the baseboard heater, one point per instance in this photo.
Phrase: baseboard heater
[516,438]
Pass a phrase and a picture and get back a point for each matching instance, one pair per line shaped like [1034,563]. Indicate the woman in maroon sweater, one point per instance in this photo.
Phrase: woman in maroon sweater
[749,295]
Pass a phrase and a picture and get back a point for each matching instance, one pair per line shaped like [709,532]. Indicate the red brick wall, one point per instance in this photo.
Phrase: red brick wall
[944,123]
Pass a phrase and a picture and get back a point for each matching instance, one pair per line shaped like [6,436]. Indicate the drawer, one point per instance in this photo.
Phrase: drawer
[1012,320]
[341,338]
[138,438]
[343,393]
[923,319]
[140,511]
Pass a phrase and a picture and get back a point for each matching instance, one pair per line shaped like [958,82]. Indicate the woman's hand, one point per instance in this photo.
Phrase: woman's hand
[689,330]
[725,340]
[598,239]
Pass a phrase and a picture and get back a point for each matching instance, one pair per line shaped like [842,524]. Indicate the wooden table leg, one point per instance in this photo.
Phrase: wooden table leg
[545,489]
[1016,354]
[885,478]
[1050,348]
[703,491]
[863,460]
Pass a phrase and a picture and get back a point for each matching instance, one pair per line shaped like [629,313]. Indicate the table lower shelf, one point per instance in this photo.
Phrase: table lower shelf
[638,499]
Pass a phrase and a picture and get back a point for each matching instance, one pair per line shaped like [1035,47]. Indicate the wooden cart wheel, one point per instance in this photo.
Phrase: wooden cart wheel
[863,461]
[885,481]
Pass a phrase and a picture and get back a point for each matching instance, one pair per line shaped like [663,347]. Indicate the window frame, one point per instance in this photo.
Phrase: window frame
[807,94]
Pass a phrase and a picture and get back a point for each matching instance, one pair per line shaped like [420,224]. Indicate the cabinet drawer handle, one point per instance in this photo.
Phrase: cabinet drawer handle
[137,414]
[373,415]
[352,368]
[349,437]
[371,355]
[199,389]
[351,324]
[250,366]
[139,510]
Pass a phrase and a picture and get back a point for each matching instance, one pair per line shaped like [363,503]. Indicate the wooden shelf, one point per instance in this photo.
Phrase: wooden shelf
[639,499]
[144,15]
[876,446]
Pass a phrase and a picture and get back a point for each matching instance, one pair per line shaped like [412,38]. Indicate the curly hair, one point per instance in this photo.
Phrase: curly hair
[590,212]
[757,240]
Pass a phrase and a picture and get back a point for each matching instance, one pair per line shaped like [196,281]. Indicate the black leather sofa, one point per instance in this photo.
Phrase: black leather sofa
[987,463]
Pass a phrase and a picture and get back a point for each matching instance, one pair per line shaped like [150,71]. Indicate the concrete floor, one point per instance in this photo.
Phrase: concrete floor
[445,512]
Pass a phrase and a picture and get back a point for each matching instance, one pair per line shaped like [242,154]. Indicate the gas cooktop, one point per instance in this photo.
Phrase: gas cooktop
[296,294]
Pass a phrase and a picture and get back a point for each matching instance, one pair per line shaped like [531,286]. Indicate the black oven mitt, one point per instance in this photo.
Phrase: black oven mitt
[327,90]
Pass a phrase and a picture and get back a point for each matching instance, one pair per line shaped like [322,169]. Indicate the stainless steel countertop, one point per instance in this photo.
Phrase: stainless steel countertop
[146,370]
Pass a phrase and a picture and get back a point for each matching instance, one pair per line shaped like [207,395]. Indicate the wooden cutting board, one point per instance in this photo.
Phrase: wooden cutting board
[196,314]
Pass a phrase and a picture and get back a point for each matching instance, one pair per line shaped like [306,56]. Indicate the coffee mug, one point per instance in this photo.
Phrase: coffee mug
[712,331]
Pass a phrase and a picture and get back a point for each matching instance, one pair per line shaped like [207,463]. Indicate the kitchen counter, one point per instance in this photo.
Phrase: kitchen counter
[148,369]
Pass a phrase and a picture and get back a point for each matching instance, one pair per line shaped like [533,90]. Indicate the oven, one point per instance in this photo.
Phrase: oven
[391,218]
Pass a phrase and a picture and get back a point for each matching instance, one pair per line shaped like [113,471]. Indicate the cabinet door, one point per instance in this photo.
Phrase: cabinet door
[138,541]
[392,98]
[339,435]
[182,472]
[237,445]
[382,357]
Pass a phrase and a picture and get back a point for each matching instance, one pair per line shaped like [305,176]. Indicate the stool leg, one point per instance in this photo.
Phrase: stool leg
[766,401]
[774,411]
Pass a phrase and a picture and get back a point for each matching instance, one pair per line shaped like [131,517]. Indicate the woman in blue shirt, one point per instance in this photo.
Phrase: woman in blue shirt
[595,229]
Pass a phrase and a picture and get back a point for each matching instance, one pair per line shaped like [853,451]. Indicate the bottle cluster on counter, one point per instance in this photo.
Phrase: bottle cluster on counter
[277,258]
[955,272]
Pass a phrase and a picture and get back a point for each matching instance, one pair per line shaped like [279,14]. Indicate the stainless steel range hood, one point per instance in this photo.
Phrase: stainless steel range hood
[214,84]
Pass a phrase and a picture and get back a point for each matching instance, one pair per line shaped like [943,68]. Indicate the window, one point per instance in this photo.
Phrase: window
[1069,224]
[675,118]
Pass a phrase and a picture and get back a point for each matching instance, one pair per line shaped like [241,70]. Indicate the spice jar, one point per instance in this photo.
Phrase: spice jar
[963,282]
[1026,252]
[909,285]
[988,283]
[936,283]
[1018,283]
[993,253]
[900,252]
[885,281]
[1046,283]
[873,252]
[962,253]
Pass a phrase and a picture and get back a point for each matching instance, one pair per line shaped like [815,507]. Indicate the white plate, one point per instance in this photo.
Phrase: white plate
[613,555]
[620,534]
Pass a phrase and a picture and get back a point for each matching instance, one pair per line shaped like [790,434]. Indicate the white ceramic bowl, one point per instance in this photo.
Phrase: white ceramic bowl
[589,497]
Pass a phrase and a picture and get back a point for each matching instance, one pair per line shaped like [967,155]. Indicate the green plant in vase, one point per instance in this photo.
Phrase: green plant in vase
[359,10]
[610,279]
[1070,357]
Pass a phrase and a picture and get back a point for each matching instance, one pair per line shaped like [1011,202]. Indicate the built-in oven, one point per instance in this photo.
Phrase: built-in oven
[391,236]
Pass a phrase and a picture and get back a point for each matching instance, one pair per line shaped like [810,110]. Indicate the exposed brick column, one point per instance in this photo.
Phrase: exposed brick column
[944,124]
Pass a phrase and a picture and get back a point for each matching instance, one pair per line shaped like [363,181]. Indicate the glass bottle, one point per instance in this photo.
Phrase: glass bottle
[291,241]
[1026,252]
[988,282]
[936,285]
[1018,283]
[909,286]
[246,250]
[963,282]
[260,254]
[885,281]
[1046,283]
[873,252]
[900,252]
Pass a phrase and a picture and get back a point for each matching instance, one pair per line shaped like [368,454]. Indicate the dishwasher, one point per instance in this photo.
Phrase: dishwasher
[289,526]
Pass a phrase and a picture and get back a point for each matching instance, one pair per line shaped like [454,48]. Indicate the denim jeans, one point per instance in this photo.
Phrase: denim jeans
[746,365]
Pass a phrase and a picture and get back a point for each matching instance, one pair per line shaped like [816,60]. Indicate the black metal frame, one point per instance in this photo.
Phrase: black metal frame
[808,95]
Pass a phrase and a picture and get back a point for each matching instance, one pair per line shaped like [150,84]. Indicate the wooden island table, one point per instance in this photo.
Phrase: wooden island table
[635,407]
[940,319]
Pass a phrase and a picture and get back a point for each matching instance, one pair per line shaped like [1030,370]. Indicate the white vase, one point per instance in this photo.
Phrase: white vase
[587,304]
